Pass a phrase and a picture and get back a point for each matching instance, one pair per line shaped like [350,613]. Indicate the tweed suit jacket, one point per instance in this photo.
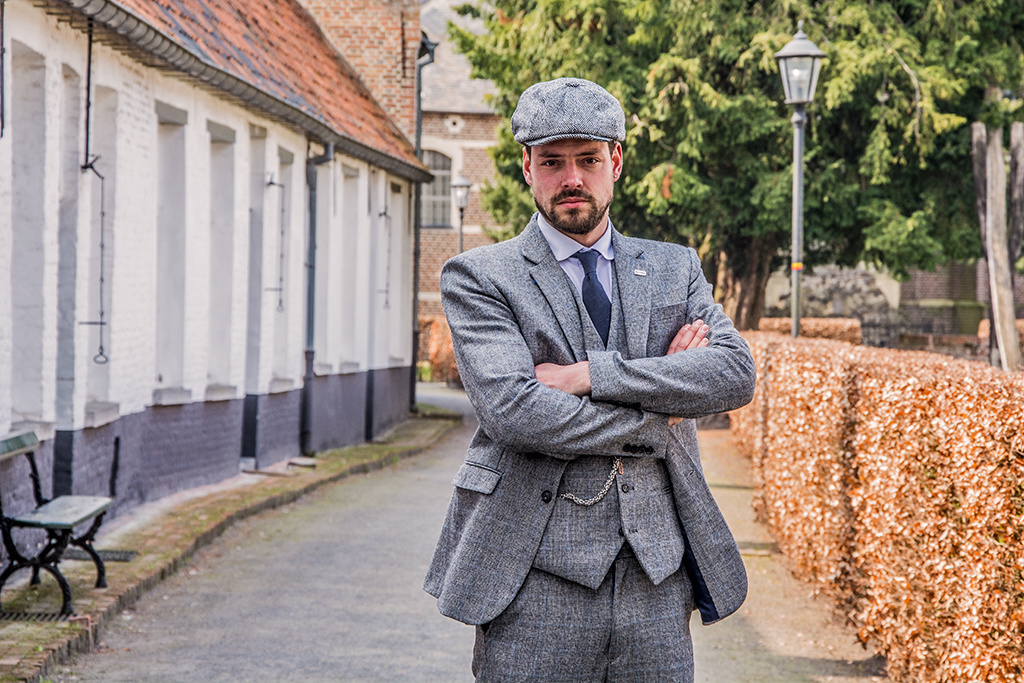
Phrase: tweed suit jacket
[510,307]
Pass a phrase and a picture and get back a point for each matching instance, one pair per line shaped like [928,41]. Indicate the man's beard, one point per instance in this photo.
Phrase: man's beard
[576,221]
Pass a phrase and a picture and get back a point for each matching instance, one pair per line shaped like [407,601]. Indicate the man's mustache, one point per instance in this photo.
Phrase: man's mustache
[573,194]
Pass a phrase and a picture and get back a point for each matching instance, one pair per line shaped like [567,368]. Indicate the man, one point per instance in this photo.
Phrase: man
[581,533]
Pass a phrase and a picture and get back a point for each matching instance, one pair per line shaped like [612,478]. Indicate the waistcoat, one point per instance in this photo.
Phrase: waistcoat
[581,542]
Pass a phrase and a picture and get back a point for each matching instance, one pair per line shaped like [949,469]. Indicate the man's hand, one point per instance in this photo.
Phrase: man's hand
[688,337]
[572,379]
[575,379]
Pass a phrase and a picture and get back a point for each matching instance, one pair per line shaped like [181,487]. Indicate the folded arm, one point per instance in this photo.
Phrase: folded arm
[713,378]
[514,408]
[575,379]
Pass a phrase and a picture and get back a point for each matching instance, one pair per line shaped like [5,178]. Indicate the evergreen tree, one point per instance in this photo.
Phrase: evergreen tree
[708,154]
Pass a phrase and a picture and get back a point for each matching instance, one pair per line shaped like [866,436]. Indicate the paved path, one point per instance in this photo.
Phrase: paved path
[328,589]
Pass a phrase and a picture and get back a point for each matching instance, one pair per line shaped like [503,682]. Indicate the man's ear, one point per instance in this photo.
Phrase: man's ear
[617,161]
[526,166]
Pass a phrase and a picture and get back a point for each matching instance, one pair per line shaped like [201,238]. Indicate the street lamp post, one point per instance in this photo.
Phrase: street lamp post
[799,64]
[460,193]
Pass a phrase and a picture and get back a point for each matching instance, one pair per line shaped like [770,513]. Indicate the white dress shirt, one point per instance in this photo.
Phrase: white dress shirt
[564,247]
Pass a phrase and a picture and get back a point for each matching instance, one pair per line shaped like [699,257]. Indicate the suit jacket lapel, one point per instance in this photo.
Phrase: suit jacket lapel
[556,287]
[633,275]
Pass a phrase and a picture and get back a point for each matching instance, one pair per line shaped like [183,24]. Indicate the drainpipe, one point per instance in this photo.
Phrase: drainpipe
[306,406]
[3,69]
[426,56]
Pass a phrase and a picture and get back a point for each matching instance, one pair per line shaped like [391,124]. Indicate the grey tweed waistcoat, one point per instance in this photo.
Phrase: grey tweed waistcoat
[581,542]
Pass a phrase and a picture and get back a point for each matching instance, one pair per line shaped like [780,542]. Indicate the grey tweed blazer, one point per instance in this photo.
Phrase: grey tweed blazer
[510,307]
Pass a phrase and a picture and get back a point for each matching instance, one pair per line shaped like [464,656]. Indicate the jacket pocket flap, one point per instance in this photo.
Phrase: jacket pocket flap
[476,478]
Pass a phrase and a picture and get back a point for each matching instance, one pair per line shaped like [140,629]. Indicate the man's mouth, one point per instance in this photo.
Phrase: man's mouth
[573,202]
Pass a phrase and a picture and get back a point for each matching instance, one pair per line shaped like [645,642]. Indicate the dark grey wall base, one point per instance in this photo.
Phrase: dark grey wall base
[339,411]
[275,425]
[390,400]
[166,449]
[350,409]
[162,450]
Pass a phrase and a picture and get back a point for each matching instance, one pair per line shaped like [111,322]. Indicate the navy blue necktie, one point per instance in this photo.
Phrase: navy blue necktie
[594,298]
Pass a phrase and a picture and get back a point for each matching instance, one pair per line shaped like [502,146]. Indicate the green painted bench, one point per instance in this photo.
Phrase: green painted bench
[58,518]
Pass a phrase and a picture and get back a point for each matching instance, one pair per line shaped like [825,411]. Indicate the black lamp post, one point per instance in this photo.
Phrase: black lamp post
[460,193]
[799,64]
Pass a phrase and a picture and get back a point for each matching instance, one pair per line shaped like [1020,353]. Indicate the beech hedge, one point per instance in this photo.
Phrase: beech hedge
[840,329]
[894,482]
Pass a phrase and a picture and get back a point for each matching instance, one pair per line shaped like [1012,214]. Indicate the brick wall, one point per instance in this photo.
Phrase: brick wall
[461,126]
[436,247]
[954,281]
[477,164]
[380,39]
[942,301]
[982,285]
[478,167]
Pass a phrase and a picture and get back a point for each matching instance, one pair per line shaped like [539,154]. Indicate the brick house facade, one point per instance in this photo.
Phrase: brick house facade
[458,129]
[463,138]
[380,39]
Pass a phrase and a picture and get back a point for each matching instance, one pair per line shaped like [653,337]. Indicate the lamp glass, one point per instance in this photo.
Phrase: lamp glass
[460,192]
[800,78]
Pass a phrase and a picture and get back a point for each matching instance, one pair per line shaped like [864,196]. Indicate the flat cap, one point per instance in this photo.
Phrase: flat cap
[567,108]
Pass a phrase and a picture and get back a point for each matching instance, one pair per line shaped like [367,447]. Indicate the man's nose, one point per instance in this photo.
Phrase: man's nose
[572,177]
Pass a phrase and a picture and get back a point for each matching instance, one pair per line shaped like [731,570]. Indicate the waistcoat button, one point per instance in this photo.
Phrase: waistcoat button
[546,496]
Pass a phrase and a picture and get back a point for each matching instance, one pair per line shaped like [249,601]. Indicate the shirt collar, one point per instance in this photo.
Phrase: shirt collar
[563,246]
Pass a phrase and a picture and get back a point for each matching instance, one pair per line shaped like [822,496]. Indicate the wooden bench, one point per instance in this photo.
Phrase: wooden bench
[58,518]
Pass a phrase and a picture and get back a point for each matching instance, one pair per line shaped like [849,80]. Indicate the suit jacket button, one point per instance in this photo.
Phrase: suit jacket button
[546,496]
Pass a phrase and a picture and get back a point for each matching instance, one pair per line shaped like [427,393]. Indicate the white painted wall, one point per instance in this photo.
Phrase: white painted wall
[232,331]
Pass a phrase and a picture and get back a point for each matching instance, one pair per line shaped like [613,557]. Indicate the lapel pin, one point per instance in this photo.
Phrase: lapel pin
[639,272]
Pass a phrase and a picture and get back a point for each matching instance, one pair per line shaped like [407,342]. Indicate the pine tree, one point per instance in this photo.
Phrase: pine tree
[708,154]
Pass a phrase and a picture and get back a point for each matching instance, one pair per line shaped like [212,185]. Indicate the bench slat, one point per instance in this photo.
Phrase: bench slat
[16,444]
[64,512]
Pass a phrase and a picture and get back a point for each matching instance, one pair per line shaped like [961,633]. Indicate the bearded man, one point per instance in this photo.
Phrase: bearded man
[581,534]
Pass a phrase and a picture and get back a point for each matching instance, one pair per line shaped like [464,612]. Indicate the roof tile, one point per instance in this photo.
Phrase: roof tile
[276,46]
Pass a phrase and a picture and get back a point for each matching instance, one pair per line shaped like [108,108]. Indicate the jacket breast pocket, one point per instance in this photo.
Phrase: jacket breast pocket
[665,322]
[476,477]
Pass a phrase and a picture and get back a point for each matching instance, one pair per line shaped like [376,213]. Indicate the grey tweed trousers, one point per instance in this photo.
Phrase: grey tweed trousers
[557,631]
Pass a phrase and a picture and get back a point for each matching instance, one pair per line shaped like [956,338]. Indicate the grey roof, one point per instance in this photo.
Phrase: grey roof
[447,86]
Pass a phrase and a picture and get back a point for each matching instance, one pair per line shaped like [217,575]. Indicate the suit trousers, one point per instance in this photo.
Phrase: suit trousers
[558,631]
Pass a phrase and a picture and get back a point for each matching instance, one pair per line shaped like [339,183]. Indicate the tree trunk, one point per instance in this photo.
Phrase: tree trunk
[1016,191]
[979,154]
[979,147]
[741,282]
[999,267]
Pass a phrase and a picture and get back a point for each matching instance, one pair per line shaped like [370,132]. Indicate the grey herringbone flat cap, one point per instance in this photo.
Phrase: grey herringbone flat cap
[567,108]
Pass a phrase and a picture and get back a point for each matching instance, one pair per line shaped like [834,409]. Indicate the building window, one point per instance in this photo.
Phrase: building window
[437,196]
[29,332]
[222,254]
[170,249]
